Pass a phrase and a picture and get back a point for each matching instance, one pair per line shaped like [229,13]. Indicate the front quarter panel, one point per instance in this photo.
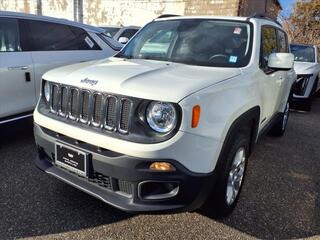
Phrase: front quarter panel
[221,105]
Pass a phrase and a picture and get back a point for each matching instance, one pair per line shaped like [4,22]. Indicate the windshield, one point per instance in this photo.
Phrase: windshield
[303,53]
[193,41]
[111,31]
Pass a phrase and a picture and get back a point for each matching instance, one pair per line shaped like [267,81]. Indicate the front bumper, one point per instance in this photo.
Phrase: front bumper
[300,102]
[119,179]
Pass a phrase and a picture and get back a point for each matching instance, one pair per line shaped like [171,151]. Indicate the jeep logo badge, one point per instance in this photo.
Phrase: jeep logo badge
[89,81]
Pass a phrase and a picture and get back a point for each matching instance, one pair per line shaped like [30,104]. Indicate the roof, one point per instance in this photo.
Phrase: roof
[242,19]
[50,19]
[202,17]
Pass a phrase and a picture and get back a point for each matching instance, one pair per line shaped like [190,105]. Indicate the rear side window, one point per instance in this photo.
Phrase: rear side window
[48,36]
[268,45]
[282,42]
[9,35]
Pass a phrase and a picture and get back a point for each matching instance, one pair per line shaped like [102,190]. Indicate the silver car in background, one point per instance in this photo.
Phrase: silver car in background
[307,67]
[121,34]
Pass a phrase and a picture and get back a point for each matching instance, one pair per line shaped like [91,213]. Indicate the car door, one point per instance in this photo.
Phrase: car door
[271,80]
[17,89]
[288,77]
[55,45]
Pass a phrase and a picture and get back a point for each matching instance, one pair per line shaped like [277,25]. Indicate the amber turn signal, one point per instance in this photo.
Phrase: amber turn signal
[195,116]
[162,166]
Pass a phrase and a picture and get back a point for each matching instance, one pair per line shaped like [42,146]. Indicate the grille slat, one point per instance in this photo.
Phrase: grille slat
[85,106]
[74,104]
[55,98]
[64,101]
[125,115]
[96,109]
[111,113]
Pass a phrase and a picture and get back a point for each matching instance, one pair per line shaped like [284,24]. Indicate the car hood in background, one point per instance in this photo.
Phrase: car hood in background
[306,67]
[148,79]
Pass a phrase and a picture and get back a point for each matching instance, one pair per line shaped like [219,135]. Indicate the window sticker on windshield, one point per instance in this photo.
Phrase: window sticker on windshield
[89,42]
[237,30]
[233,59]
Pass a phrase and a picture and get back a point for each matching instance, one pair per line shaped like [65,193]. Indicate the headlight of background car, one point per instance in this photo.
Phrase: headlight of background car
[46,91]
[301,84]
[161,116]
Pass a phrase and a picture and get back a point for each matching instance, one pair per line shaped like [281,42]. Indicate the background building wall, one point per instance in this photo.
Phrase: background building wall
[212,7]
[136,12]
[58,8]
[28,6]
[269,7]
[128,12]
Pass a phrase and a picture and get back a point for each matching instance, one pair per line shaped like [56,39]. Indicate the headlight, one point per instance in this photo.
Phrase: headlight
[46,91]
[161,116]
[301,84]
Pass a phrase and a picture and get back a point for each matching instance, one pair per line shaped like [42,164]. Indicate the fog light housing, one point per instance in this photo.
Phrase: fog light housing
[157,190]
[162,166]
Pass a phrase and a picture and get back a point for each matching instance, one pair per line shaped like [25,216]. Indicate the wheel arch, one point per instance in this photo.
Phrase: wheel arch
[248,124]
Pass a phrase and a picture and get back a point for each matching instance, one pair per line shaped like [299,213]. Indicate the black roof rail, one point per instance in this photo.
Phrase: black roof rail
[168,15]
[264,16]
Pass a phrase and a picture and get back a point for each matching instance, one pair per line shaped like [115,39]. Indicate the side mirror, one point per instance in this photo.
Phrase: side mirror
[281,61]
[123,40]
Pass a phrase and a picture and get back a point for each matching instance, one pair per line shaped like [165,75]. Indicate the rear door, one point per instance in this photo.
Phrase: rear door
[17,89]
[54,45]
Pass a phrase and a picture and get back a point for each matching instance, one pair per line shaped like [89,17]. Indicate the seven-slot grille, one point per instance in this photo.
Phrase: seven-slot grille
[92,108]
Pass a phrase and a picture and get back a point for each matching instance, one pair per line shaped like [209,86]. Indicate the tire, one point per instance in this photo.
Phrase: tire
[222,200]
[280,126]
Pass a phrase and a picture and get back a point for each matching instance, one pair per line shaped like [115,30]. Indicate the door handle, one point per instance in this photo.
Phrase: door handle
[18,68]
[28,77]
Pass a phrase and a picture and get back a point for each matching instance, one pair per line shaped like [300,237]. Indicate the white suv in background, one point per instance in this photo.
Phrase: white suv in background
[307,67]
[31,45]
[121,34]
[169,122]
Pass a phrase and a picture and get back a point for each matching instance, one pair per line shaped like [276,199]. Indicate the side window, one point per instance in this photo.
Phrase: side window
[56,37]
[282,42]
[85,42]
[9,35]
[128,33]
[268,45]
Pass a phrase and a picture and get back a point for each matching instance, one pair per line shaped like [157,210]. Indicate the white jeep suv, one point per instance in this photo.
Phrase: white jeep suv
[169,122]
[31,45]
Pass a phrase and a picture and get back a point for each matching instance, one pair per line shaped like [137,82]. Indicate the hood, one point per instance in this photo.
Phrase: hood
[305,67]
[148,79]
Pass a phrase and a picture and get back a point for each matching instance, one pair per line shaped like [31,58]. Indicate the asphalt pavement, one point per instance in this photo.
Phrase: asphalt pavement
[280,198]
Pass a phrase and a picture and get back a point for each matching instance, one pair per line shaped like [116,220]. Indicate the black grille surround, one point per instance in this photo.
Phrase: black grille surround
[110,114]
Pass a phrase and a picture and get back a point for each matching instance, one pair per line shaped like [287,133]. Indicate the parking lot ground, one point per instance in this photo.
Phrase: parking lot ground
[280,198]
